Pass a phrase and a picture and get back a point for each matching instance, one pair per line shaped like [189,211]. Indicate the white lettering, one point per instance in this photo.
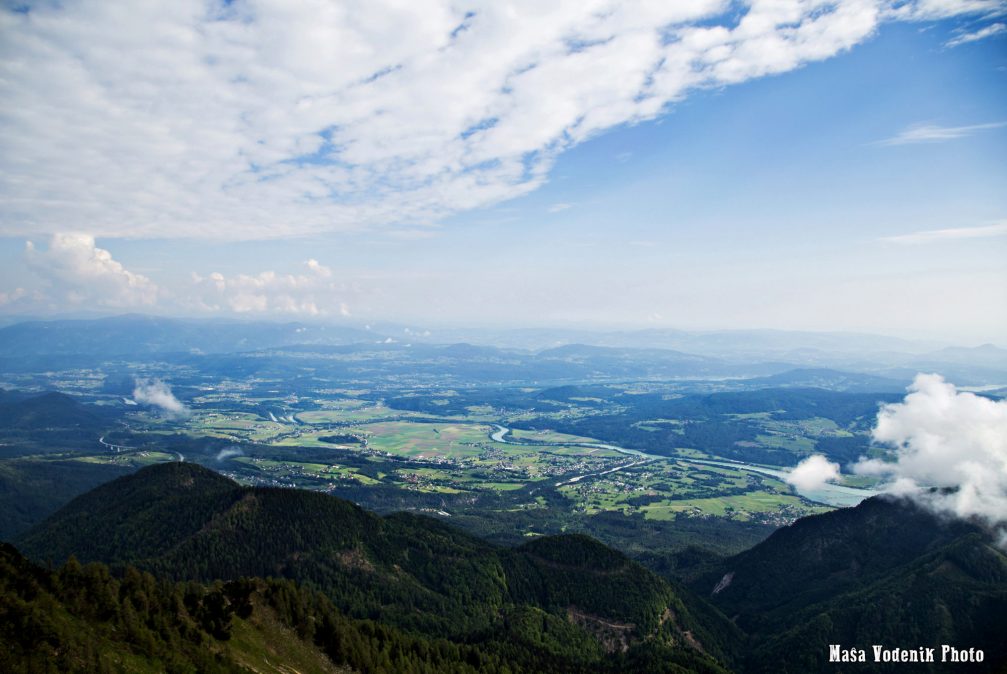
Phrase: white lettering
[952,654]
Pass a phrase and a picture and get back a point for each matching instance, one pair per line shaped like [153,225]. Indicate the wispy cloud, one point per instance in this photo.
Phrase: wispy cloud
[938,235]
[556,208]
[982,33]
[942,9]
[933,133]
[273,119]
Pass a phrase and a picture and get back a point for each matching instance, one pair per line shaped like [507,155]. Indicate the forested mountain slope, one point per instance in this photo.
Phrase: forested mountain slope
[886,572]
[186,522]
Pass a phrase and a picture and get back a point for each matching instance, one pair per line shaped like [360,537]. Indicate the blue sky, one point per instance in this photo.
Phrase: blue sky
[847,174]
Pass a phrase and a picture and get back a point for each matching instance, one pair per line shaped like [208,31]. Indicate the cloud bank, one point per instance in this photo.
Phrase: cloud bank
[312,293]
[270,118]
[813,472]
[75,272]
[952,440]
[158,394]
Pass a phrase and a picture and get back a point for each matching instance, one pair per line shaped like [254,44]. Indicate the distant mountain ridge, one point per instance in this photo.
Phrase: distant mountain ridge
[28,411]
[832,380]
[135,334]
[70,344]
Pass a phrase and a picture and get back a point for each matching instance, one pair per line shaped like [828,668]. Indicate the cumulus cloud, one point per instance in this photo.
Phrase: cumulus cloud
[75,272]
[158,394]
[813,472]
[312,293]
[81,273]
[266,118]
[948,439]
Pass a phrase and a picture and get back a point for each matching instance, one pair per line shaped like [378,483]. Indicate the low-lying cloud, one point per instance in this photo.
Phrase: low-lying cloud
[949,439]
[813,472]
[158,394]
[229,453]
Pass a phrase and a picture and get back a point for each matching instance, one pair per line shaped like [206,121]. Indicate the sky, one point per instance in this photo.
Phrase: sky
[703,164]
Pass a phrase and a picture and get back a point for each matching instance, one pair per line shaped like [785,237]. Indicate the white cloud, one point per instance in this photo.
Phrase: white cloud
[951,234]
[813,472]
[270,118]
[942,9]
[981,34]
[318,268]
[12,296]
[932,133]
[313,293]
[952,440]
[77,273]
[81,273]
[229,453]
[556,208]
[158,394]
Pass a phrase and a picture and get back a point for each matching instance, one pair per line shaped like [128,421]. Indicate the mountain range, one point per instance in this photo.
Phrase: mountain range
[885,572]
[678,352]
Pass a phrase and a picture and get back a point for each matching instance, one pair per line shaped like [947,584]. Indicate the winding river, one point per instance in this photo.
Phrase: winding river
[836,495]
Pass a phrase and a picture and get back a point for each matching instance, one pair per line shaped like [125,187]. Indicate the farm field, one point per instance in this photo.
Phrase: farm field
[440,451]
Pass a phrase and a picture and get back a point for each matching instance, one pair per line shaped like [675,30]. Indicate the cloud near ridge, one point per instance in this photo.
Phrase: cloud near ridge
[267,118]
[955,441]
[813,472]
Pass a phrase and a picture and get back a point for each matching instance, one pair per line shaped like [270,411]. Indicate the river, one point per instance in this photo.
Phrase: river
[836,495]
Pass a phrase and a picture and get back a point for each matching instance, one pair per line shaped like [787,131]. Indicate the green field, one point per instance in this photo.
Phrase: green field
[448,455]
